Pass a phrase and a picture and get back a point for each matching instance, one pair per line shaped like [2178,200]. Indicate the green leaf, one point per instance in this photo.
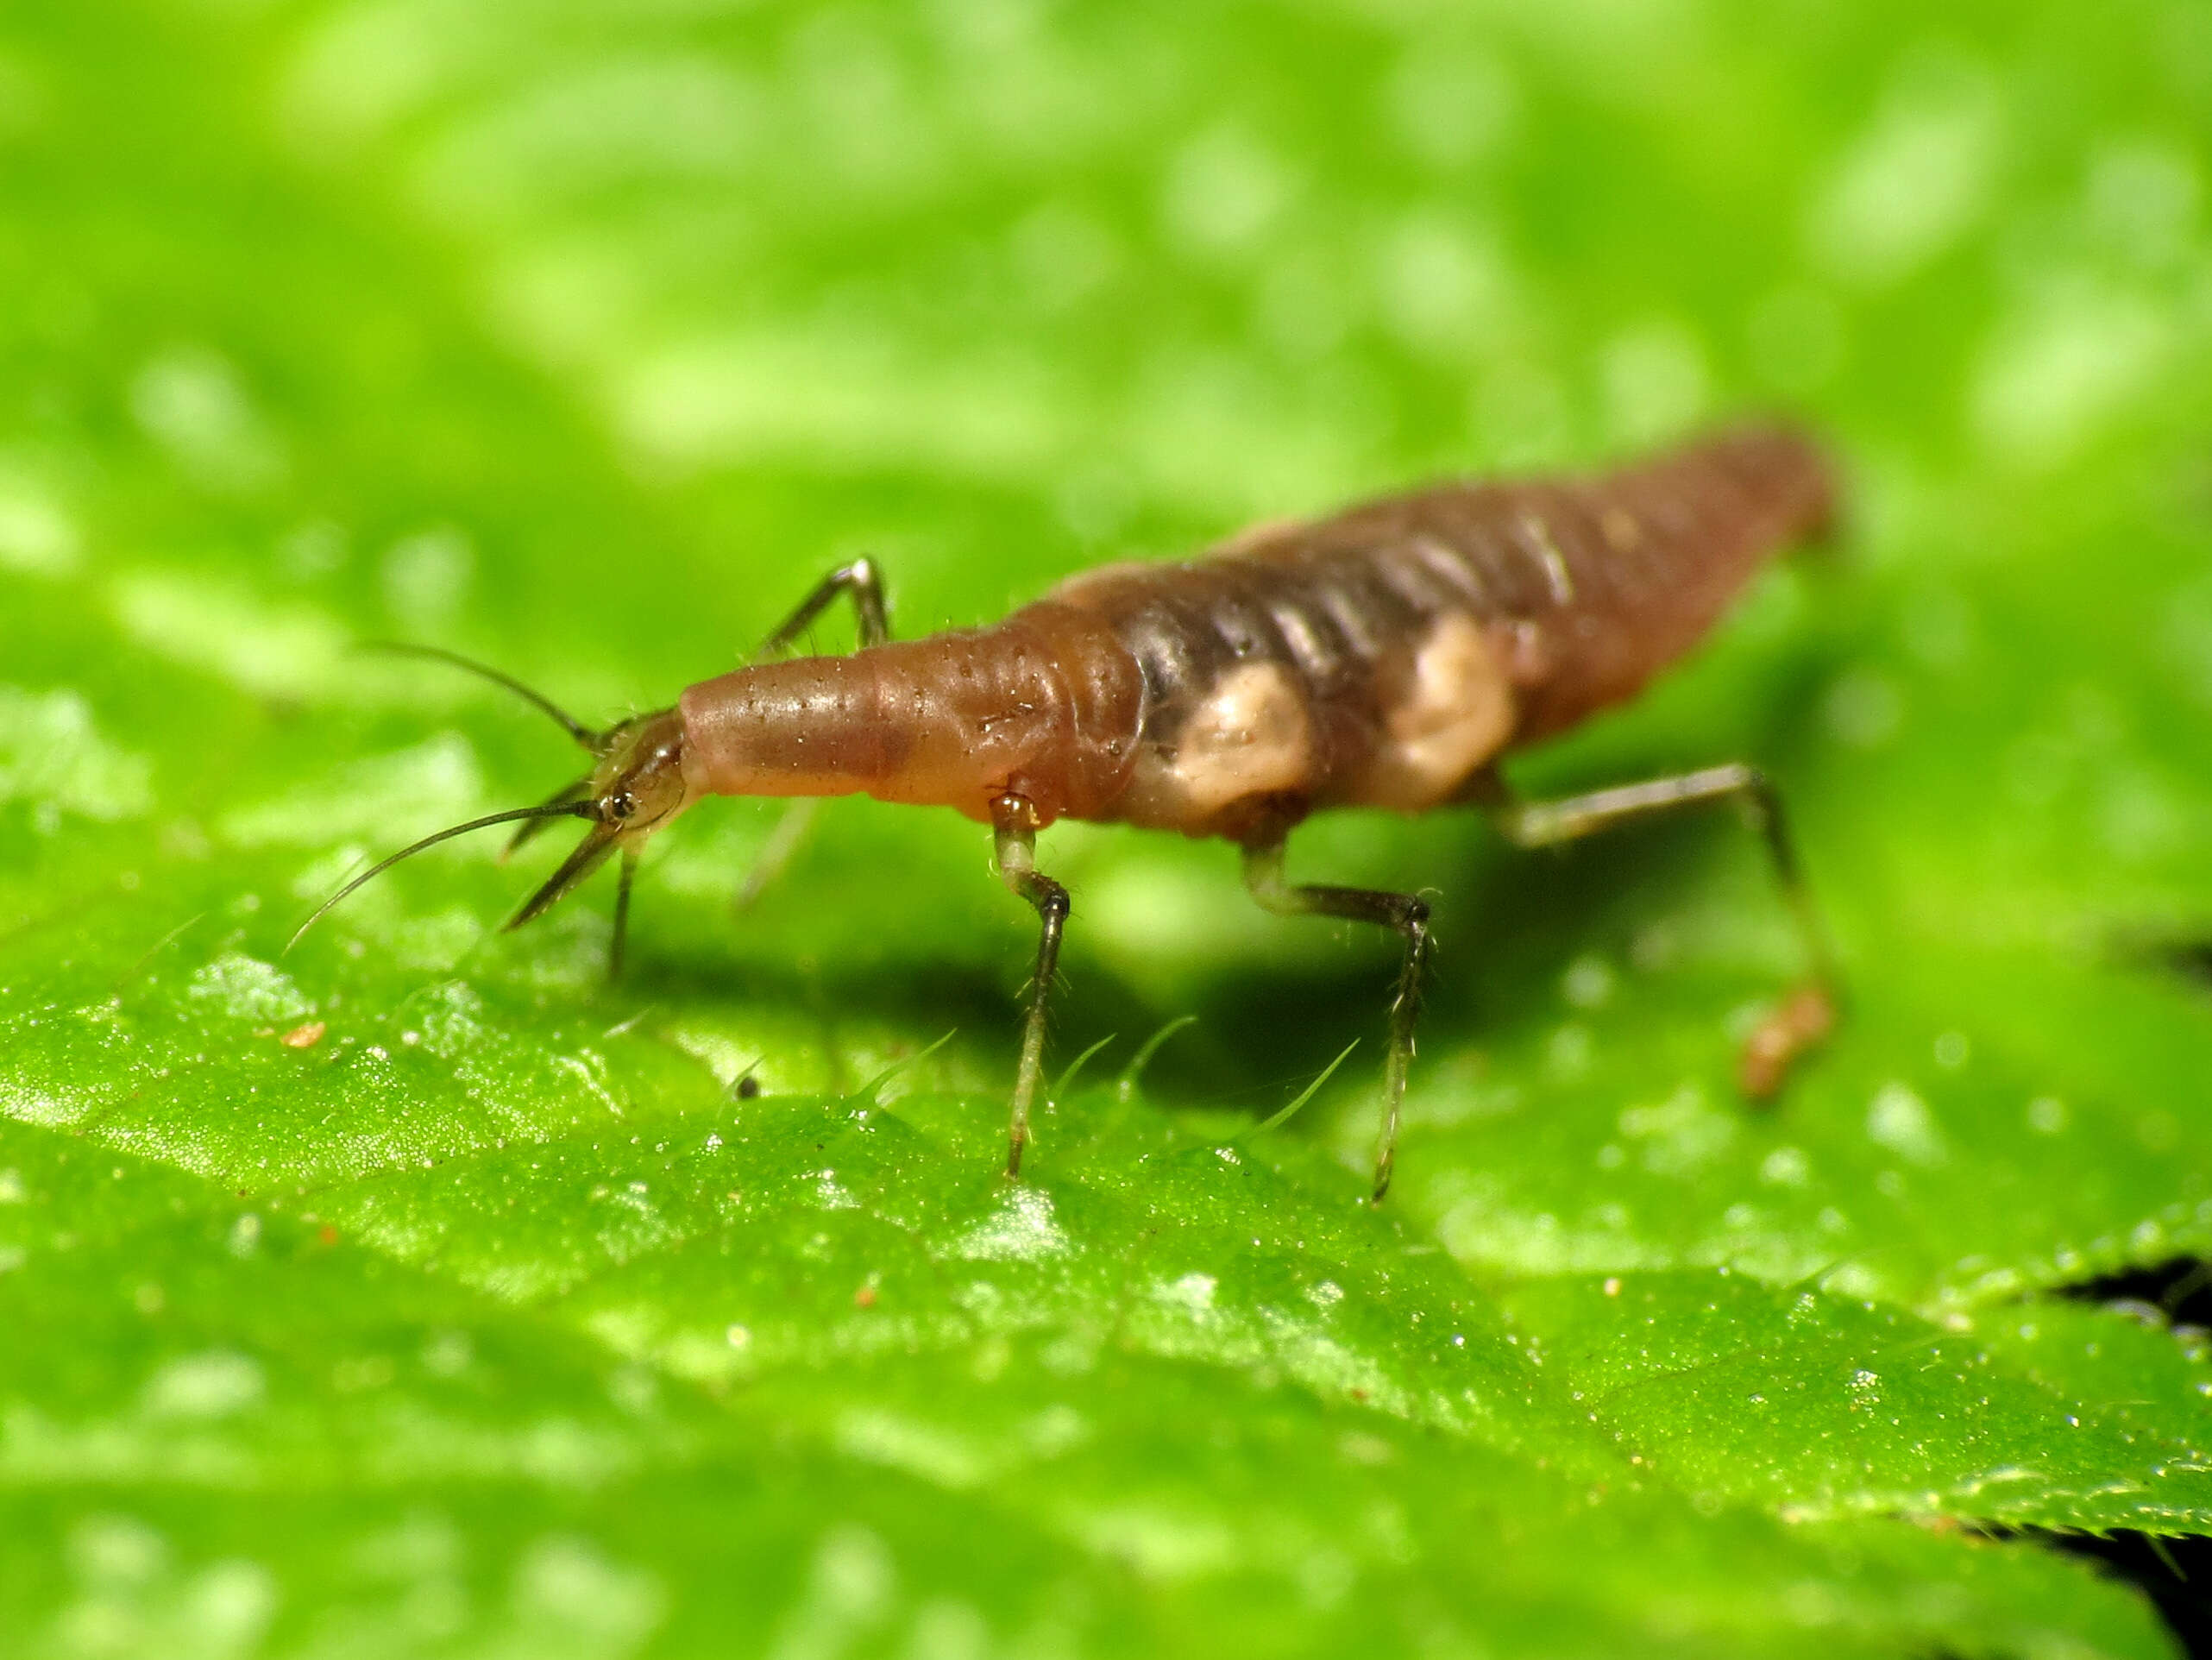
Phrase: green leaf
[417,1292]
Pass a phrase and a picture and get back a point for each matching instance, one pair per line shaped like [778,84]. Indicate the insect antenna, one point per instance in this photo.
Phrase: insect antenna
[571,791]
[594,741]
[550,810]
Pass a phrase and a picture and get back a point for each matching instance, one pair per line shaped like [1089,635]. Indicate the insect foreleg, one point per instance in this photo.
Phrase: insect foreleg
[1014,823]
[1403,912]
[628,878]
[1809,1012]
[863,581]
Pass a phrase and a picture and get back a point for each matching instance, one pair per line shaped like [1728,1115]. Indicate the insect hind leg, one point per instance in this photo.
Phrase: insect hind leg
[1406,914]
[1808,1013]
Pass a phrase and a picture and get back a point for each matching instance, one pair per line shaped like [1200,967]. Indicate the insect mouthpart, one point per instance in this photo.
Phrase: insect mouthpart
[637,786]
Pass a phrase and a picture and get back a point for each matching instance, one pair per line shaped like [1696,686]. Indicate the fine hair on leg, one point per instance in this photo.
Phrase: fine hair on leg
[1808,1014]
[1014,822]
[1405,913]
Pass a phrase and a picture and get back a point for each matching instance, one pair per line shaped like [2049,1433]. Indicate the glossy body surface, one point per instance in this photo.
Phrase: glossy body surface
[1384,656]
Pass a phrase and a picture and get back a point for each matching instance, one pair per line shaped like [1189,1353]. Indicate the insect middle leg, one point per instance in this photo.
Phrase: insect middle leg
[863,580]
[1808,1014]
[1405,913]
[1014,822]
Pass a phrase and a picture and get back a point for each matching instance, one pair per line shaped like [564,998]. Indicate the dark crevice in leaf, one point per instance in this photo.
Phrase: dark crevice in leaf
[2174,1572]
[2179,1291]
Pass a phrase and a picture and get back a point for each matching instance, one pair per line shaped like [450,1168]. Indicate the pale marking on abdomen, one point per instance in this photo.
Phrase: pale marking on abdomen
[1457,713]
[1248,737]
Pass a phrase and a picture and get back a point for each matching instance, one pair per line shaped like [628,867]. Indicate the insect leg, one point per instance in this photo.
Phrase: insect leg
[1403,912]
[622,912]
[1015,824]
[865,582]
[783,842]
[1809,1012]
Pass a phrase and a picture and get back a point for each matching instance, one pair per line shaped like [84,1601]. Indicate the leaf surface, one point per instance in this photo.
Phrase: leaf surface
[417,1292]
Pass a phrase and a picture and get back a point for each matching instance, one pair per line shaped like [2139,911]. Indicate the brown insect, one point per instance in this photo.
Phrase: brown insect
[1389,656]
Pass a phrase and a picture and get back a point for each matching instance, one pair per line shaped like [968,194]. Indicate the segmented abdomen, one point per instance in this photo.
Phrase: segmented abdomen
[1387,654]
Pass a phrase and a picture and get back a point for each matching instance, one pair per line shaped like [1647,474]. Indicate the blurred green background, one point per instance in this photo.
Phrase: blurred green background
[583,336]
